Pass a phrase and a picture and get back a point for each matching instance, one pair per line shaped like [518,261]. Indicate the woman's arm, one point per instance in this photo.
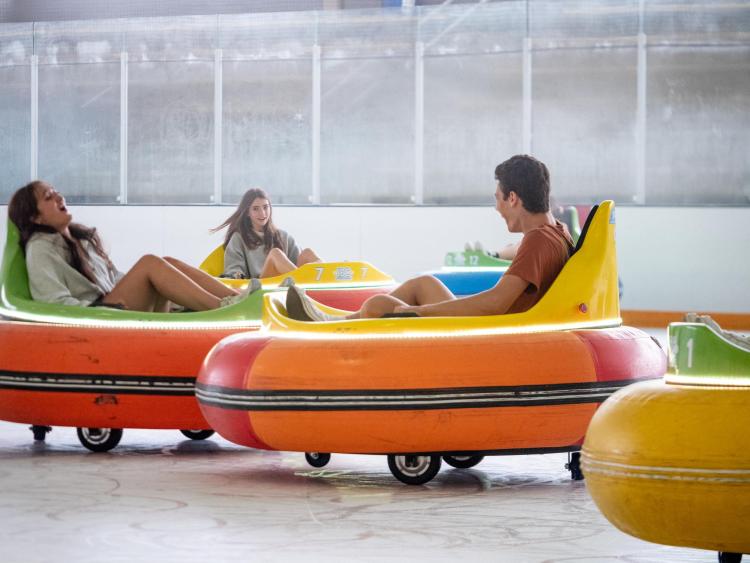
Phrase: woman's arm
[234,258]
[291,249]
[47,269]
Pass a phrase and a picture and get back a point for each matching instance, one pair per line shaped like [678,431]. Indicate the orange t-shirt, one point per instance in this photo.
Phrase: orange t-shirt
[540,257]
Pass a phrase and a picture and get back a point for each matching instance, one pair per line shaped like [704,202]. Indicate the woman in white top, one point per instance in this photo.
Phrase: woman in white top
[254,247]
[67,263]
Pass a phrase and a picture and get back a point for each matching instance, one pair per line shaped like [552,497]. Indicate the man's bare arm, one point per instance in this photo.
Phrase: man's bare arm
[509,251]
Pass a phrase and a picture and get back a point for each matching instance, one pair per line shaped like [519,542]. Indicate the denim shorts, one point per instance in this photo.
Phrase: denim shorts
[99,302]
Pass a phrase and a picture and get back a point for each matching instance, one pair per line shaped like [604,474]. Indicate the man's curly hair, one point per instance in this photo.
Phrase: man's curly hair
[529,178]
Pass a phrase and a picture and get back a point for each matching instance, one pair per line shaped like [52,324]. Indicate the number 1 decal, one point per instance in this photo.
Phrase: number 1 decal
[689,345]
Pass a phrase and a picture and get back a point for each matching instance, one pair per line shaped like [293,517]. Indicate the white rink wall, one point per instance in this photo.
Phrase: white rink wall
[670,259]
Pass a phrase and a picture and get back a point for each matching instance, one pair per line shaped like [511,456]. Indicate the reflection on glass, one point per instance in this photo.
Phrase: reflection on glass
[494,27]
[73,42]
[698,127]
[269,36]
[79,130]
[267,137]
[15,124]
[583,23]
[350,34]
[186,38]
[472,122]
[584,118]
[171,132]
[367,131]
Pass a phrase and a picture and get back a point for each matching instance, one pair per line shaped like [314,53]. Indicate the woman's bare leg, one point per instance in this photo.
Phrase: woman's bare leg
[307,256]
[206,281]
[152,280]
[421,290]
[162,305]
[276,263]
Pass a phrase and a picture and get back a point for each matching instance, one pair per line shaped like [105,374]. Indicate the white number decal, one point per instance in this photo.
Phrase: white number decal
[473,260]
[689,345]
[364,271]
[319,273]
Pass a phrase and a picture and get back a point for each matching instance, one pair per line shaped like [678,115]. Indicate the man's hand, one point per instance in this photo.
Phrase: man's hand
[408,309]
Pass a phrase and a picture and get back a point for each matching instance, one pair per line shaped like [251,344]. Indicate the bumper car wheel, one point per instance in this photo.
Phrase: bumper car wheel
[99,439]
[414,469]
[197,434]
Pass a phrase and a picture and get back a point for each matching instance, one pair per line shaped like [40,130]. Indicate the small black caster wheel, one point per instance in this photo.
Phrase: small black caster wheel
[197,434]
[729,557]
[414,469]
[462,461]
[40,432]
[574,466]
[317,459]
[99,439]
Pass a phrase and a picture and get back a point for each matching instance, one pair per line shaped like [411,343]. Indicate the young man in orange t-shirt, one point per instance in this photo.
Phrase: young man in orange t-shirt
[522,199]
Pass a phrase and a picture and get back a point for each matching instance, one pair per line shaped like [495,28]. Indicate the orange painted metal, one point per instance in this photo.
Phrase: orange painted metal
[354,395]
[398,363]
[423,363]
[101,410]
[33,354]
[511,428]
[38,352]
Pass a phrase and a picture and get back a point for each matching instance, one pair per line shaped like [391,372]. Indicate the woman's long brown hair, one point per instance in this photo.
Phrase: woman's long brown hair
[22,210]
[239,221]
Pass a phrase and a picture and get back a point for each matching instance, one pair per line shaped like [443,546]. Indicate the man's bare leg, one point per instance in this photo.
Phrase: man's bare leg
[421,290]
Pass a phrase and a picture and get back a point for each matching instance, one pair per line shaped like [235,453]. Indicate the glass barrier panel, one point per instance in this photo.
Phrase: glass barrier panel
[473,119]
[581,58]
[171,132]
[15,124]
[367,131]
[584,119]
[94,41]
[16,49]
[698,126]
[267,36]
[79,130]
[267,131]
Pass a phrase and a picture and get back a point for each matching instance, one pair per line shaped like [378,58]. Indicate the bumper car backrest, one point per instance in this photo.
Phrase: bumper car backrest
[585,229]
[14,278]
